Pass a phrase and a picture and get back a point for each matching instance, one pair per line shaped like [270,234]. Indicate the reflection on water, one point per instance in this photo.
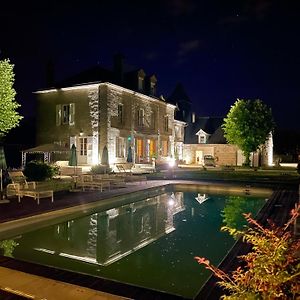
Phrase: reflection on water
[149,243]
[106,237]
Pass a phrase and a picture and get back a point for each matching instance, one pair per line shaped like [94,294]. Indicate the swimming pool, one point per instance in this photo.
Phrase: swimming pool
[150,242]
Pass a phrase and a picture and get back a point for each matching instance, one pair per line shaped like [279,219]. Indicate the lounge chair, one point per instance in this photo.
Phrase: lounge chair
[114,180]
[88,182]
[20,187]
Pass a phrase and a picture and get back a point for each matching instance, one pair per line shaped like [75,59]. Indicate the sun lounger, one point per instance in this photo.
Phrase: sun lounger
[87,182]
[20,187]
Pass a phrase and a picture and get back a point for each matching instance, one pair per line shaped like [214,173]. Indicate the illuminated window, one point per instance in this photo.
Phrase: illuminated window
[139,144]
[65,114]
[120,146]
[152,148]
[120,113]
[166,123]
[83,146]
[164,148]
[141,117]
[193,117]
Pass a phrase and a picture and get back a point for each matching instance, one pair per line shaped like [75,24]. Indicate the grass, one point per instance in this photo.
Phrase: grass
[272,176]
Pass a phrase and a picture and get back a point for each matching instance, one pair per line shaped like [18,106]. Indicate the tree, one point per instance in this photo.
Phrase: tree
[248,125]
[9,117]
[272,267]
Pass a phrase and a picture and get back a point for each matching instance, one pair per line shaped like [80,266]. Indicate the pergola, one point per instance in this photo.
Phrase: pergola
[46,149]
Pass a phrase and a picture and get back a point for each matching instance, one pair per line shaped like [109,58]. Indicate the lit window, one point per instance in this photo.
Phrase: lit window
[141,117]
[120,113]
[164,148]
[193,117]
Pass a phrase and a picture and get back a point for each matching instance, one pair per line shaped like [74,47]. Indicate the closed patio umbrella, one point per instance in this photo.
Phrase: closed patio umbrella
[73,157]
[104,157]
[3,167]
[129,155]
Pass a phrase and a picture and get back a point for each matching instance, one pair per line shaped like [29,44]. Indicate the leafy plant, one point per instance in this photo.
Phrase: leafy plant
[9,118]
[38,171]
[272,268]
[100,169]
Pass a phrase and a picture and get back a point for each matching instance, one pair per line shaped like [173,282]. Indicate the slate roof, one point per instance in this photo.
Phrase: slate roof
[210,125]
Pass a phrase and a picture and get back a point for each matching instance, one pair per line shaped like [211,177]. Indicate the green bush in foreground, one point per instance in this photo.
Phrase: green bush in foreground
[38,171]
[272,268]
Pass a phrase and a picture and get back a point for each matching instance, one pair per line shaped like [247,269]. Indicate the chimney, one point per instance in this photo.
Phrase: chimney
[118,68]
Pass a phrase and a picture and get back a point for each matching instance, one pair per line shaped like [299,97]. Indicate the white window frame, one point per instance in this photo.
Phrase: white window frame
[120,147]
[141,117]
[166,123]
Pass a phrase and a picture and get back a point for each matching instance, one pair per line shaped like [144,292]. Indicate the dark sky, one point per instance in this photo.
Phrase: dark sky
[219,50]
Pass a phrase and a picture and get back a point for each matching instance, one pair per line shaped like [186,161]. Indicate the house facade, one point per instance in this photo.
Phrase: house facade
[204,136]
[97,115]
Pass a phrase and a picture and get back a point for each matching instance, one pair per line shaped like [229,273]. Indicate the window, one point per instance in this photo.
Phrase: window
[141,117]
[152,88]
[166,123]
[164,148]
[202,139]
[120,147]
[120,113]
[83,146]
[193,117]
[152,120]
[65,114]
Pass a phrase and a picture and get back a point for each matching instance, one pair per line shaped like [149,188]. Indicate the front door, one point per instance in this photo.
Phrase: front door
[199,157]
[82,151]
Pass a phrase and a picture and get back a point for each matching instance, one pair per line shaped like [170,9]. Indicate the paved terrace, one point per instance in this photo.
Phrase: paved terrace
[16,214]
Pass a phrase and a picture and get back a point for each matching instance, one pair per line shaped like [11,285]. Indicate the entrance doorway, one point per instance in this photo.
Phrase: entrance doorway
[199,157]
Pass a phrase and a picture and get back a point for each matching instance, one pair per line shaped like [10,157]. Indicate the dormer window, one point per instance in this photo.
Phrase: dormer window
[153,82]
[152,88]
[202,139]
[193,117]
[141,84]
[141,80]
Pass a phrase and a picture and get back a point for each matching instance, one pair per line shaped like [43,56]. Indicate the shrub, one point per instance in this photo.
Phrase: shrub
[272,268]
[100,169]
[38,171]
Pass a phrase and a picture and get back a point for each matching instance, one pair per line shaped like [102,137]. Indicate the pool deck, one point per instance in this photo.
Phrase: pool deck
[14,214]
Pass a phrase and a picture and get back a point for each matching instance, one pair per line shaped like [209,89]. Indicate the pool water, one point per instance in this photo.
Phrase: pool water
[150,243]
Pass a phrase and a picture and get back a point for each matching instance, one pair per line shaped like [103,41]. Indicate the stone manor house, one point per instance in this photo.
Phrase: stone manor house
[120,110]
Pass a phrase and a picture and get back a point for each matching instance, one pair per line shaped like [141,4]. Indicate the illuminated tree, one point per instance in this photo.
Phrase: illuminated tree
[9,117]
[248,125]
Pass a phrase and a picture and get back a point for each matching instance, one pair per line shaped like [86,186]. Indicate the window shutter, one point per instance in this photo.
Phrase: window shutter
[72,114]
[58,114]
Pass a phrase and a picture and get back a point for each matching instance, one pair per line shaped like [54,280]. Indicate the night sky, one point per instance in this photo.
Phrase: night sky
[219,50]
